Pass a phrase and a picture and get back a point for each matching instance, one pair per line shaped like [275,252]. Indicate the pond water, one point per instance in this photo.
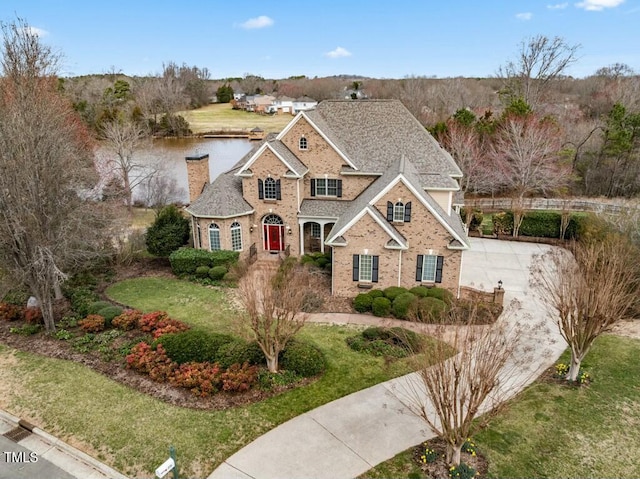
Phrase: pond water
[170,155]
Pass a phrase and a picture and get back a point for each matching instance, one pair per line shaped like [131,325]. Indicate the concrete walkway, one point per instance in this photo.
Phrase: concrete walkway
[349,436]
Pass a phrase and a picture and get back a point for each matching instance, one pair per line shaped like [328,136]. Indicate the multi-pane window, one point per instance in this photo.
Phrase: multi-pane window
[327,187]
[236,237]
[429,263]
[214,237]
[302,144]
[270,189]
[366,267]
[315,230]
[398,212]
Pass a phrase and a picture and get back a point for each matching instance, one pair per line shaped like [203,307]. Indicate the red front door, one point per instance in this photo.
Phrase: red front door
[273,237]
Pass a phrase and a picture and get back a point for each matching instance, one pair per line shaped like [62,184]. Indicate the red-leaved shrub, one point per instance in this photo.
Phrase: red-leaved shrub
[153,362]
[127,320]
[202,379]
[159,323]
[239,378]
[33,316]
[94,323]
[11,312]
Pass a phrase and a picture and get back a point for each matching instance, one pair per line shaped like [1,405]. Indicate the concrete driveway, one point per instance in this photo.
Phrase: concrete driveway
[347,437]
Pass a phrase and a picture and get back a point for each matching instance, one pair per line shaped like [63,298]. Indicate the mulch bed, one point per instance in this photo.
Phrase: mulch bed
[49,346]
[439,469]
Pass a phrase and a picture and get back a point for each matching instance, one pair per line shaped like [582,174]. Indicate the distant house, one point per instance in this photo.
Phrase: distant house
[304,103]
[360,180]
[264,104]
[238,94]
[284,104]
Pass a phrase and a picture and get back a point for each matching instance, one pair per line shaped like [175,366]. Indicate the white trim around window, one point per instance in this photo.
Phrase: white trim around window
[236,236]
[214,237]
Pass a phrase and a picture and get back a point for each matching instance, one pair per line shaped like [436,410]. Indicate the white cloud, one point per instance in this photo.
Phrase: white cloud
[558,6]
[338,53]
[524,16]
[38,32]
[259,22]
[598,5]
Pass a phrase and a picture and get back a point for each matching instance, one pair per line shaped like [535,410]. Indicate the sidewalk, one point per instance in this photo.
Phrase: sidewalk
[347,437]
[40,455]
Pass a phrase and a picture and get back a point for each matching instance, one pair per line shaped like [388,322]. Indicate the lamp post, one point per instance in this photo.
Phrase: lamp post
[499,284]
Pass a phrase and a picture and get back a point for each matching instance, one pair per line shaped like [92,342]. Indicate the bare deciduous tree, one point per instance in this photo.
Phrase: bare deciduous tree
[525,153]
[123,138]
[273,308]
[450,389]
[46,228]
[539,62]
[588,291]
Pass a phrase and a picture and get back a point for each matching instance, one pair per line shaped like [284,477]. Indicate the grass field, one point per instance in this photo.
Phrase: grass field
[221,117]
[131,431]
[555,430]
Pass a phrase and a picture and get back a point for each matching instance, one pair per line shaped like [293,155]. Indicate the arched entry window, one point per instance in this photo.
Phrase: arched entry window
[273,233]
[214,237]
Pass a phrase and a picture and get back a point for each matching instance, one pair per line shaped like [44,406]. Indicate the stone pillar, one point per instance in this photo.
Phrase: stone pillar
[498,296]
[197,174]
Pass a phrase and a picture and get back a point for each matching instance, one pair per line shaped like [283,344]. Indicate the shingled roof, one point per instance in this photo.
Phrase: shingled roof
[222,198]
[372,133]
[406,171]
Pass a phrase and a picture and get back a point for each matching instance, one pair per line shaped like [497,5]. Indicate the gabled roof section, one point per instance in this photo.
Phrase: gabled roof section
[279,149]
[321,128]
[222,198]
[402,170]
[372,133]
[396,240]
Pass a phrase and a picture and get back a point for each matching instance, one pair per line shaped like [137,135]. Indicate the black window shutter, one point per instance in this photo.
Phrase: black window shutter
[339,184]
[260,190]
[419,267]
[374,269]
[407,212]
[313,187]
[439,264]
[278,194]
[356,267]
[389,211]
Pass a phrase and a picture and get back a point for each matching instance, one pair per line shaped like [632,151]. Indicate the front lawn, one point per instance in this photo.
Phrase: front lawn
[132,431]
[555,430]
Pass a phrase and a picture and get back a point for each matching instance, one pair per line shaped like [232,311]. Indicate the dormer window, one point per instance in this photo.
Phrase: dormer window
[302,143]
[399,212]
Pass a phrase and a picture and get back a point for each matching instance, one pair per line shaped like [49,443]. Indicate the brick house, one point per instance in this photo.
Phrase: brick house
[362,180]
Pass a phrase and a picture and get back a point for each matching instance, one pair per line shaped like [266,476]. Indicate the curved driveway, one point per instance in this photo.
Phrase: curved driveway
[347,437]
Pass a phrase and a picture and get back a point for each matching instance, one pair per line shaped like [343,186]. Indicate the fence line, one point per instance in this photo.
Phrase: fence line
[556,204]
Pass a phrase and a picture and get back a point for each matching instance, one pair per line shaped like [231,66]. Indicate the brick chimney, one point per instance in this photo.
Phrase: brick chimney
[197,174]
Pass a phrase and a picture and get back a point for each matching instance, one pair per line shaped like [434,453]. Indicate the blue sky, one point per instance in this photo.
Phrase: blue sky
[281,38]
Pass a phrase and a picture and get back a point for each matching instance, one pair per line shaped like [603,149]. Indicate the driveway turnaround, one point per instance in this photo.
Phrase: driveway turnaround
[347,437]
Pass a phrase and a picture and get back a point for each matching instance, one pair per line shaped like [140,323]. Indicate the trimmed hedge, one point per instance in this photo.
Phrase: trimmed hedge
[401,305]
[217,272]
[193,345]
[393,342]
[381,307]
[362,302]
[392,292]
[109,313]
[420,291]
[303,358]
[239,351]
[185,261]
[540,224]
[96,306]
[441,294]
[376,293]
